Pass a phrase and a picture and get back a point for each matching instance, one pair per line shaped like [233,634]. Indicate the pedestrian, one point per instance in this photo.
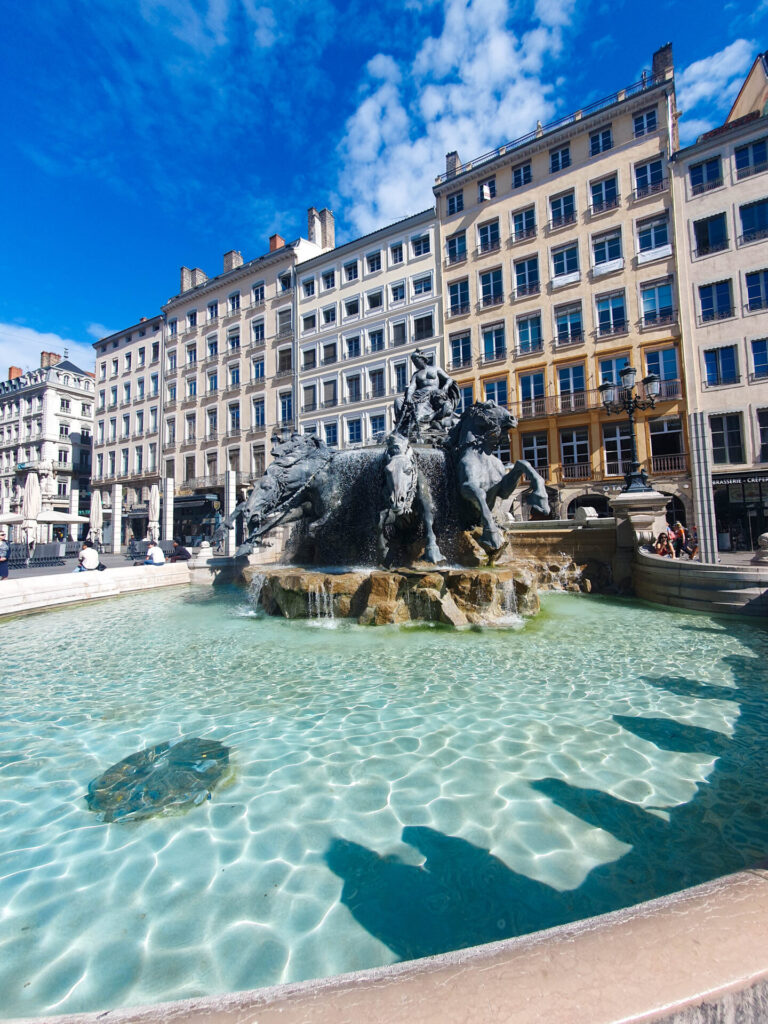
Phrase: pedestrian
[5,555]
[692,547]
[88,559]
[679,541]
[663,546]
[155,554]
[180,553]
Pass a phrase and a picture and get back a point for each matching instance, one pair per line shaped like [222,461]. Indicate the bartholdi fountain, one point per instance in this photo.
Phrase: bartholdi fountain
[403,531]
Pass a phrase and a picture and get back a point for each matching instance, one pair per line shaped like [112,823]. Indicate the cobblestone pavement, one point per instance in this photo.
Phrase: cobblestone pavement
[111,561]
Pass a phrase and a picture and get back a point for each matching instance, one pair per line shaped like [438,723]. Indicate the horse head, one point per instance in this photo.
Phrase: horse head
[400,473]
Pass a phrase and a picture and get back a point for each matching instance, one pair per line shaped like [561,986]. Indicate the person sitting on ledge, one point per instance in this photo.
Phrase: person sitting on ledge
[155,554]
[88,559]
[663,546]
[180,553]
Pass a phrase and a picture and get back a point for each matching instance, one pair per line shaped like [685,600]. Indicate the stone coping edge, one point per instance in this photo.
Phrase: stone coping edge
[39,593]
[644,963]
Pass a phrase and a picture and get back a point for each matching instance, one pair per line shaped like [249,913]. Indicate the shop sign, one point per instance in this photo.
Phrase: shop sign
[751,478]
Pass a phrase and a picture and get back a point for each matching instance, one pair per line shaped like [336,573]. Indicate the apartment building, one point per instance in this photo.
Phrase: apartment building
[229,362]
[361,310]
[721,210]
[558,270]
[46,425]
[128,416]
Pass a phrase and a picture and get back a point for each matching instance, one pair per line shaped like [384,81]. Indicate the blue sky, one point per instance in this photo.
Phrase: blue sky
[140,136]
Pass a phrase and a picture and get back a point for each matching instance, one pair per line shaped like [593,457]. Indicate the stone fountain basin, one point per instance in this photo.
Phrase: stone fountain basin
[453,597]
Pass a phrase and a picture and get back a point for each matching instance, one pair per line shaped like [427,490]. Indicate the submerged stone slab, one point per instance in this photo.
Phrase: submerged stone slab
[168,776]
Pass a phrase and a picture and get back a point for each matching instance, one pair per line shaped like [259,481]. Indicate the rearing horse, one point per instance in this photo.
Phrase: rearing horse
[405,488]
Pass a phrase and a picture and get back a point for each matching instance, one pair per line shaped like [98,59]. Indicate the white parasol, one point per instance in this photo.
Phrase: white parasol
[96,518]
[154,513]
[32,505]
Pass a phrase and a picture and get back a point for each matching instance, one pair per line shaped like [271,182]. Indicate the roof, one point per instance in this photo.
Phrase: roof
[66,365]
[339,250]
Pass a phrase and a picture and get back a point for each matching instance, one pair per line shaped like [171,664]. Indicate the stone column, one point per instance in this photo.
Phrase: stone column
[230,503]
[117,517]
[703,496]
[166,526]
[640,516]
[74,506]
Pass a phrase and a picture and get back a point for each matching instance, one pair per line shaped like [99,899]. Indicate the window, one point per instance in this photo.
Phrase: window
[401,376]
[191,354]
[329,280]
[570,381]
[527,276]
[422,285]
[652,234]
[124,454]
[656,303]
[727,445]
[565,261]
[762,424]
[234,416]
[331,435]
[617,446]
[467,397]
[568,324]
[666,441]
[645,122]
[63,430]
[258,293]
[172,327]
[309,401]
[456,247]
[154,384]
[213,382]
[376,341]
[329,353]
[458,295]
[535,448]
[155,351]
[309,322]
[329,315]
[234,302]
[171,392]
[705,176]
[423,327]
[353,389]
[711,234]
[496,391]
[257,331]
[142,357]
[420,245]
[126,393]
[461,351]
[754,221]
[378,426]
[396,254]
[721,366]
[233,340]
[375,300]
[286,407]
[373,260]
[752,159]
[127,365]
[491,287]
[65,405]
[353,347]
[189,434]
[521,175]
[309,359]
[611,368]
[377,384]
[284,282]
[398,292]
[139,459]
[308,287]
[355,431]
[494,344]
[191,387]
[529,333]
[284,360]
[486,190]
[102,371]
[153,419]
[600,141]
[398,333]
[284,322]
[213,347]
[649,178]
[351,271]
[192,318]
[574,452]
[524,224]
[115,367]
[455,201]
[716,301]
[760,358]
[559,159]
[234,375]
[113,429]
[488,236]
[606,251]
[757,290]
[213,310]
[611,314]
[259,415]
[562,210]
[605,194]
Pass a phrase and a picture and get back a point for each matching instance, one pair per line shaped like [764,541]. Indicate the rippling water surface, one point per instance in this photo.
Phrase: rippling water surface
[396,792]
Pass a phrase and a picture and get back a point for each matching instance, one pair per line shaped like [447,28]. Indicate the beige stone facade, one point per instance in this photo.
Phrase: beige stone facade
[362,309]
[721,209]
[558,267]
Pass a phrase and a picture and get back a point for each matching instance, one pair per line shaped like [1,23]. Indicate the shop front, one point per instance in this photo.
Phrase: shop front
[741,509]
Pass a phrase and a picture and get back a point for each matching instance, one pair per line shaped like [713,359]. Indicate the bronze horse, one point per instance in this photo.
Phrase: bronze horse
[406,491]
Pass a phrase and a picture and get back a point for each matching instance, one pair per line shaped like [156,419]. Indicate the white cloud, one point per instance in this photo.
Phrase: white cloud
[99,331]
[715,79]
[21,346]
[692,127]
[469,88]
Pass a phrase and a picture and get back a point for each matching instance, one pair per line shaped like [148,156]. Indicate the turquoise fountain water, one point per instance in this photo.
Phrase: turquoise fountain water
[395,793]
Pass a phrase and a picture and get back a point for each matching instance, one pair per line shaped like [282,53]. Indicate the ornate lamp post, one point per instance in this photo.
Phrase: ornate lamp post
[619,398]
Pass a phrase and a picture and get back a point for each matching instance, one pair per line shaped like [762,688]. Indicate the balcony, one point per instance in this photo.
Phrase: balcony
[605,205]
[523,235]
[309,407]
[562,220]
[761,302]
[493,357]
[747,172]
[233,432]
[488,301]
[532,348]
[524,290]
[722,381]
[169,445]
[669,390]
[455,259]
[212,435]
[231,314]
[331,403]
[713,315]
[459,309]
[353,398]
[663,465]
[712,247]
[461,364]
[658,318]
[329,360]
[493,245]
[654,188]
[615,468]
[170,404]
[172,372]
[211,360]
[139,399]
[565,340]
[282,374]
[706,186]
[232,386]
[753,236]
[377,393]
[287,332]
[613,330]
[575,471]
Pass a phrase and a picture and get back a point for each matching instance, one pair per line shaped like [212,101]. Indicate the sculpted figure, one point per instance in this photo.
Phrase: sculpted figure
[430,398]
[407,495]
[482,477]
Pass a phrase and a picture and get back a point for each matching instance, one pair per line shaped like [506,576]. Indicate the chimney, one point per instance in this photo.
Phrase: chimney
[232,260]
[49,359]
[662,62]
[198,277]
[14,372]
[452,164]
[313,225]
[143,320]
[186,279]
[276,242]
[327,229]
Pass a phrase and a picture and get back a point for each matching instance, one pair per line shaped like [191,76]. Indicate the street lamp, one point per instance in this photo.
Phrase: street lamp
[619,398]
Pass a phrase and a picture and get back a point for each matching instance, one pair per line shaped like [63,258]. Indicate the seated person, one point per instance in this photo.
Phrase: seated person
[155,554]
[663,546]
[88,558]
[180,553]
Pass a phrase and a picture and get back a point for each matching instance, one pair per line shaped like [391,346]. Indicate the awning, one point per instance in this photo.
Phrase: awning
[61,517]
